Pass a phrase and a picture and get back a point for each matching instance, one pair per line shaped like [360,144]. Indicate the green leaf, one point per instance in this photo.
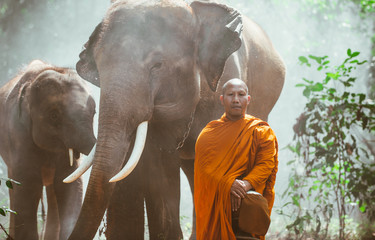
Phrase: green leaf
[349,52]
[290,162]
[347,84]
[296,200]
[354,54]
[326,80]
[306,92]
[291,148]
[362,208]
[300,85]
[308,81]
[303,60]
[317,59]
[345,95]
[361,97]
[362,62]
[333,75]
[364,122]
[9,184]
[317,87]
[332,90]
[2,212]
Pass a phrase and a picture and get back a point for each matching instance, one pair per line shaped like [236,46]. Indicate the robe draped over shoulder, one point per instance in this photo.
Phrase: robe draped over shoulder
[226,150]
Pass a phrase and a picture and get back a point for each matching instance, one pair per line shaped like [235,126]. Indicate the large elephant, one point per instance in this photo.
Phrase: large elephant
[162,64]
[46,121]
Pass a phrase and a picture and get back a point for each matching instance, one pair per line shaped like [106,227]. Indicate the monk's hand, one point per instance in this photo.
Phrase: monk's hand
[248,186]
[235,202]
[238,191]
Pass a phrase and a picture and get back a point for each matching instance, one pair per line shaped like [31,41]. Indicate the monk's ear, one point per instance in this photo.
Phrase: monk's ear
[248,99]
[222,99]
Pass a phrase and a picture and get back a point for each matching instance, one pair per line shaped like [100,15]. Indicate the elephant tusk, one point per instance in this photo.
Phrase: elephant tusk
[82,168]
[140,140]
[71,156]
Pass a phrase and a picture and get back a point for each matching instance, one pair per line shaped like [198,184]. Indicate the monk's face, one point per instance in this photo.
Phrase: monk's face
[235,100]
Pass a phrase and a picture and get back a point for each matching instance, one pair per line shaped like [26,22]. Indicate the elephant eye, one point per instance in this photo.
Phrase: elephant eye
[156,66]
[54,117]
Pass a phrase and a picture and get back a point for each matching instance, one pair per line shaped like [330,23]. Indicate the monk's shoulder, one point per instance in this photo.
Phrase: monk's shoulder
[264,132]
[254,122]
[209,128]
[251,119]
[214,124]
[261,128]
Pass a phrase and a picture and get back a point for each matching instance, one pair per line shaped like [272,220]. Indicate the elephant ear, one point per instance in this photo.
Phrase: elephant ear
[86,66]
[47,83]
[219,36]
[21,97]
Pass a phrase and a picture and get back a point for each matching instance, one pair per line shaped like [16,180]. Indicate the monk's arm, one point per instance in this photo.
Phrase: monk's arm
[264,158]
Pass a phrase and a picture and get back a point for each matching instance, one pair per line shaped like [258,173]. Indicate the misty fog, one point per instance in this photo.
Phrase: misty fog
[56,32]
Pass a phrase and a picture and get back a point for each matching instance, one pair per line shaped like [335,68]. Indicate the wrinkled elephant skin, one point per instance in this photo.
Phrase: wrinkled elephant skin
[44,112]
[164,62]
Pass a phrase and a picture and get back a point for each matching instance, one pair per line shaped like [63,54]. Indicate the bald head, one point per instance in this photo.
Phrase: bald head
[235,99]
[234,82]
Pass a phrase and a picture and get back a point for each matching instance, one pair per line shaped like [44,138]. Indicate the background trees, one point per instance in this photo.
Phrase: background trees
[333,174]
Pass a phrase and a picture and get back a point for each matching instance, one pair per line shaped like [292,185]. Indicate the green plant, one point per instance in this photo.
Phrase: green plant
[332,170]
[3,210]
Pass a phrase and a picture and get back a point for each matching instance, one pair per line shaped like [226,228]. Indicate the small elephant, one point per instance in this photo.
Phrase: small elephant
[46,121]
[161,65]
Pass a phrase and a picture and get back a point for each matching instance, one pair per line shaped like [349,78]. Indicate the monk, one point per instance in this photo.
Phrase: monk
[234,154]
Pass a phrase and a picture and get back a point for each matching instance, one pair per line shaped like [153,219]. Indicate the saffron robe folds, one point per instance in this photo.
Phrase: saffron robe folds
[227,150]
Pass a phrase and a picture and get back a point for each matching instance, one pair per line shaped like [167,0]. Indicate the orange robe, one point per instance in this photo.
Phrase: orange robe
[226,150]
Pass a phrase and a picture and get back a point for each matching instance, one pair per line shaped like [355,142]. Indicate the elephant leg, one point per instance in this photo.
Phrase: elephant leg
[69,202]
[52,227]
[163,196]
[187,165]
[125,213]
[25,200]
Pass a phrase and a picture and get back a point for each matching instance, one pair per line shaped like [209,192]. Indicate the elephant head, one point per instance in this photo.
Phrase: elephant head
[148,58]
[59,111]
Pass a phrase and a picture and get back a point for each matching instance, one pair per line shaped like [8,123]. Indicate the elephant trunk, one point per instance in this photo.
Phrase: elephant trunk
[115,135]
[99,190]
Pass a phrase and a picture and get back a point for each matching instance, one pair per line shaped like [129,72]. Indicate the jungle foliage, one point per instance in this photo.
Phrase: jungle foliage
[333,172]
[4,209]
